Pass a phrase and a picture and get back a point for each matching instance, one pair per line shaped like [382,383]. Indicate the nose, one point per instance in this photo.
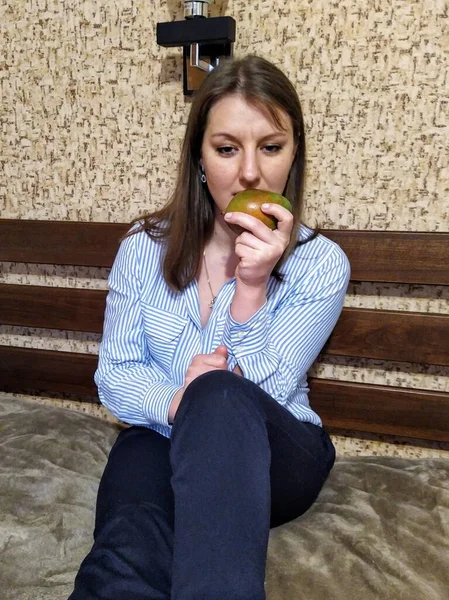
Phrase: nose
[249,168]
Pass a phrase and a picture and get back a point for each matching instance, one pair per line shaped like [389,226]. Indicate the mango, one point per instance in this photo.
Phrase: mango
[250,201]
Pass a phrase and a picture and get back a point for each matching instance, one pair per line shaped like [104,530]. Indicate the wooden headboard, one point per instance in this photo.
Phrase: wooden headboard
[394,257]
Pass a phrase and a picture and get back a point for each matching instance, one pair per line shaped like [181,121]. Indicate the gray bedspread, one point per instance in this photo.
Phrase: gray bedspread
[379,530]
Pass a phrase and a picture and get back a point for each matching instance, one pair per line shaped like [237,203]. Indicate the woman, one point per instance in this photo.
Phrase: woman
[208,338]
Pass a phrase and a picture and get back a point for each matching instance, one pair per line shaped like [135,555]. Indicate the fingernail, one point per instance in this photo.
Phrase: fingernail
[228,215]
[265,206]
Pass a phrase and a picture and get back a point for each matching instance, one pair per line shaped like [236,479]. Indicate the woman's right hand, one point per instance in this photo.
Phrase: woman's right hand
[201,363]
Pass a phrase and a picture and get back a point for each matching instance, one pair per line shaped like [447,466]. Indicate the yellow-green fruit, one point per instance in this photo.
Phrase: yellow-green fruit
[250,201]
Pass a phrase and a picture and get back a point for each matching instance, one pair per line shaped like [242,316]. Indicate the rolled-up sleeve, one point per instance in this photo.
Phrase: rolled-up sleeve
[276,349]
[249,337]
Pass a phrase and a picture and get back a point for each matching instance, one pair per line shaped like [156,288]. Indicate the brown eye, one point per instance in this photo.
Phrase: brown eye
[272,148]
[225,149]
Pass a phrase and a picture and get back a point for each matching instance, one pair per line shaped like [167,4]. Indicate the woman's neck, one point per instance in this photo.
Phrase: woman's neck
[220,250]
[223,239]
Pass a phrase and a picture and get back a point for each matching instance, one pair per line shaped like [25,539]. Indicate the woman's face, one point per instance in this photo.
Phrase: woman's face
[243,148]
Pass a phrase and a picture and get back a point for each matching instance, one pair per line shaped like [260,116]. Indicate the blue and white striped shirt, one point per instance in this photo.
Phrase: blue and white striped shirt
[151,333]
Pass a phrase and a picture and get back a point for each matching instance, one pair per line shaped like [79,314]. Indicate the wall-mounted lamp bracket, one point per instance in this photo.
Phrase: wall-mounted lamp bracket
[204,40]
[195,60]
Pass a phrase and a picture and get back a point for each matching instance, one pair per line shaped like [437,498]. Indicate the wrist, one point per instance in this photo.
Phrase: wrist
[174,405]
[251,292]
[248,299]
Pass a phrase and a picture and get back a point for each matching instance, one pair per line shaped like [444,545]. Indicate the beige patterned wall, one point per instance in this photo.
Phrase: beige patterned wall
[93,111]
[92,118]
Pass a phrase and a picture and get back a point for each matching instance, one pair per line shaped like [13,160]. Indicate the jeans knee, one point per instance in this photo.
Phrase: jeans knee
[219,394]
[215,383]
[222,389]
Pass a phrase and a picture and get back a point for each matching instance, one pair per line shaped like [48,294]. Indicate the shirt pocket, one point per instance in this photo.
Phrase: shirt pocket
[162,331]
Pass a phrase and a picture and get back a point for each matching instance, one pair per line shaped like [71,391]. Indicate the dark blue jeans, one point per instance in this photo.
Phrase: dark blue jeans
[188,518]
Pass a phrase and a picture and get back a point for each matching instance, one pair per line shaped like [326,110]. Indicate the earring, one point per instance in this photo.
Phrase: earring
[203,176]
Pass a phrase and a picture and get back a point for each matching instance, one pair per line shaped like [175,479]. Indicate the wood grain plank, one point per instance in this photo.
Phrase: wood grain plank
[364,407]
[359,333]
[47,371]
[60,242]
[391,335]
[395,256]
[52,307]
[388,410]
[384,256]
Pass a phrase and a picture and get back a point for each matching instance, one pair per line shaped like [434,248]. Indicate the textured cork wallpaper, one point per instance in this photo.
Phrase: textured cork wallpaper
[93,114]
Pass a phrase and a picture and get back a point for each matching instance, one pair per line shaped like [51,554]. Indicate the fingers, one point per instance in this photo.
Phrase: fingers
[284,217]
[257,227]
[250,223]
[216,360]
[250,241]
[221,350]
[203,363]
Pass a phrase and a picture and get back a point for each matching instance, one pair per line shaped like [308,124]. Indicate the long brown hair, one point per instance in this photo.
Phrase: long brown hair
[186,223]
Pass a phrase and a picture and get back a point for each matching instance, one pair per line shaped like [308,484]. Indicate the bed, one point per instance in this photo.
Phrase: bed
[380,527]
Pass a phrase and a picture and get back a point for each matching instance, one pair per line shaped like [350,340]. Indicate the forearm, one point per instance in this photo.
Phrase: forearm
[269,370]
[136,394]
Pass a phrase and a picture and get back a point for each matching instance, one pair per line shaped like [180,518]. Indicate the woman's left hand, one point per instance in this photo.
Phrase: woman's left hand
[259,248]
